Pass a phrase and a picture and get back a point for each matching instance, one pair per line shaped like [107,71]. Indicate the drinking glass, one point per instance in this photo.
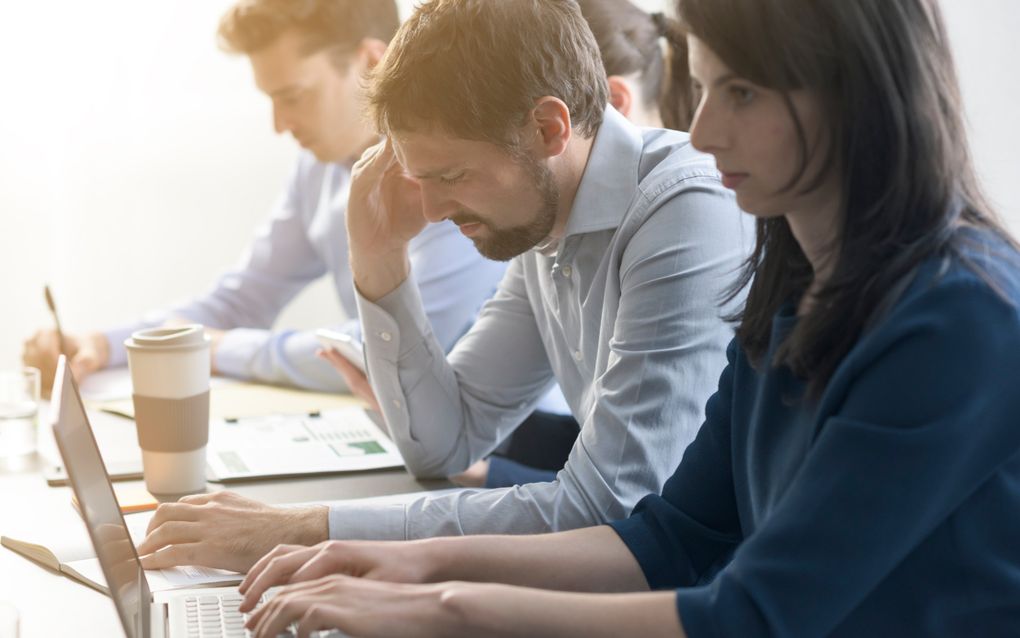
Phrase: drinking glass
[19,414]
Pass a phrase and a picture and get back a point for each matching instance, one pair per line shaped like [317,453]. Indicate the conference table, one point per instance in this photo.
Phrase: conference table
[51,604]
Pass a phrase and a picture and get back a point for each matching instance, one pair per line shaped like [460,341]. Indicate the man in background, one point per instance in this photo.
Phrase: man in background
[310,59]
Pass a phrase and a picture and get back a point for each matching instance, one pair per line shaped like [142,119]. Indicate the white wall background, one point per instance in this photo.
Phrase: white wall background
[136,159]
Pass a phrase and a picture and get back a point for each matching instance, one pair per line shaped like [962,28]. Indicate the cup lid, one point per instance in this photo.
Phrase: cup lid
[176,338]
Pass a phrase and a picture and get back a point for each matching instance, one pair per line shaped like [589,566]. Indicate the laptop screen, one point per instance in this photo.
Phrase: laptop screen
[114,549]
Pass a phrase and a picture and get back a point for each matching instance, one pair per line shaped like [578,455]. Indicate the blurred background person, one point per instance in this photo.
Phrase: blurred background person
[310,59]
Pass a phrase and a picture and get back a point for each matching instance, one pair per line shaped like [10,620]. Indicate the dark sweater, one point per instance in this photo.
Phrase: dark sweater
[889,507]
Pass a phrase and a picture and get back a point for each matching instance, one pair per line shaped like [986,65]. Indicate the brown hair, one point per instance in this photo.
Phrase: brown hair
[884,73]
[630,40]
[475,68]
[337,25]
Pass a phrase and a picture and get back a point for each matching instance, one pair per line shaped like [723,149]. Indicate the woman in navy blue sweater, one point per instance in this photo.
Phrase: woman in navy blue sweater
[858,472]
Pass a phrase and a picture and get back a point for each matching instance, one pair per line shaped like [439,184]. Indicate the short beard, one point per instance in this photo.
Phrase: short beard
[507,243]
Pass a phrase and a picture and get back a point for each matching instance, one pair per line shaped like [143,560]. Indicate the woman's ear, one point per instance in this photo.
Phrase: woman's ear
[621,94]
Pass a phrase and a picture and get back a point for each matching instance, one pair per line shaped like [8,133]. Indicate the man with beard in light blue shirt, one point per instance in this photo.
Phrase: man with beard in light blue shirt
[622,242]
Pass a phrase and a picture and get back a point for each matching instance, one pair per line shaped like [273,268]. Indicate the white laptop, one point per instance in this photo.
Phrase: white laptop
[175,614]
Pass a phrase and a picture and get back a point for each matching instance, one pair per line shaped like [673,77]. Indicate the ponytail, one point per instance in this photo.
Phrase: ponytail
[676,99]
[630,41]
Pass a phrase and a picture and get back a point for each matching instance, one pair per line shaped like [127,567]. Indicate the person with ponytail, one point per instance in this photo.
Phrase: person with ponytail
[858,470]
[645,56]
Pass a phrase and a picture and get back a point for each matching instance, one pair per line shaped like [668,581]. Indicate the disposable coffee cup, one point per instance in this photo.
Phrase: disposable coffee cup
[170,379]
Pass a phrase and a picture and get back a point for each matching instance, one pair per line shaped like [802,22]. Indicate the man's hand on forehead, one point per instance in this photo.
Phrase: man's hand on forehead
[384,213]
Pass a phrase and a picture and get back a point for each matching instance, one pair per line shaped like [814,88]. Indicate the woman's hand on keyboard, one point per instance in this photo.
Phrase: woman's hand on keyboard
[362,607]
[378,560]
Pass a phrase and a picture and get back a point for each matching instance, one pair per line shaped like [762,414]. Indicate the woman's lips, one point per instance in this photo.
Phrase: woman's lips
[733,180]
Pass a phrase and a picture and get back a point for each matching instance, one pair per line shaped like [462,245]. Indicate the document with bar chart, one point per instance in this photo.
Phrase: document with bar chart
[335,441]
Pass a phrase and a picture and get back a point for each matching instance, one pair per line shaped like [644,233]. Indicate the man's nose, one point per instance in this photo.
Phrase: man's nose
[435,205]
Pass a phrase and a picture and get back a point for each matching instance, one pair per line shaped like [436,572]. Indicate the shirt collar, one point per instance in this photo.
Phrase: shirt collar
[548,246]
[610,179]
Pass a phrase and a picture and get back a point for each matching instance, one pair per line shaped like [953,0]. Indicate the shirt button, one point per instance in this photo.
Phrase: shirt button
[577,355]
[396,403]
[385,336]
[567,271]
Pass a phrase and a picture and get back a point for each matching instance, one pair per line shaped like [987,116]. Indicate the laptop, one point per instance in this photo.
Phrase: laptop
[181,613]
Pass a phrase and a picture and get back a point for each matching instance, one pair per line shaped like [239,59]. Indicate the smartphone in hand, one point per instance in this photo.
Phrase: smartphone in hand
[349,347]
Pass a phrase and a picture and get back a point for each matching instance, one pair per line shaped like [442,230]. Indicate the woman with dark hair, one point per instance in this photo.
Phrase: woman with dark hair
[858,472]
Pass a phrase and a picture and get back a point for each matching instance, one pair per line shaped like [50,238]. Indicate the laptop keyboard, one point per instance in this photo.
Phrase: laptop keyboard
[218,616]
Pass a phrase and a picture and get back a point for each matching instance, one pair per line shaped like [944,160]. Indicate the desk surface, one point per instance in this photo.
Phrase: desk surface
[53,605]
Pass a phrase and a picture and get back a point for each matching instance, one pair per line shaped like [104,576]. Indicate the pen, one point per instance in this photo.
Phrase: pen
[56,318]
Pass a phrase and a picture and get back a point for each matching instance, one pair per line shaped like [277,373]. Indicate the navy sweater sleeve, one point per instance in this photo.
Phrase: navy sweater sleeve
[926,412]
[679,539]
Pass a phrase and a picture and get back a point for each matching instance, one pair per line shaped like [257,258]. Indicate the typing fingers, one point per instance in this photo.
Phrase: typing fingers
[273,569]
[319,615]
[172,512]
[332,558]
[260,564]
[291,604]
[168,534]
[187,508]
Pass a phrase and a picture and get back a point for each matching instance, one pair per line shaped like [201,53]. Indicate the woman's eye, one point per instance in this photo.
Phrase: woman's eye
[451,180]
[741,94]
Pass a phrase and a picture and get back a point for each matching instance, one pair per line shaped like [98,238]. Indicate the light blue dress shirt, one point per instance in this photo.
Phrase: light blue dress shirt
[625,316]
[305,239]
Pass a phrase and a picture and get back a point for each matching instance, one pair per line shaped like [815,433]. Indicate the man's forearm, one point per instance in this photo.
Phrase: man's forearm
[592,559]
[377,275]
